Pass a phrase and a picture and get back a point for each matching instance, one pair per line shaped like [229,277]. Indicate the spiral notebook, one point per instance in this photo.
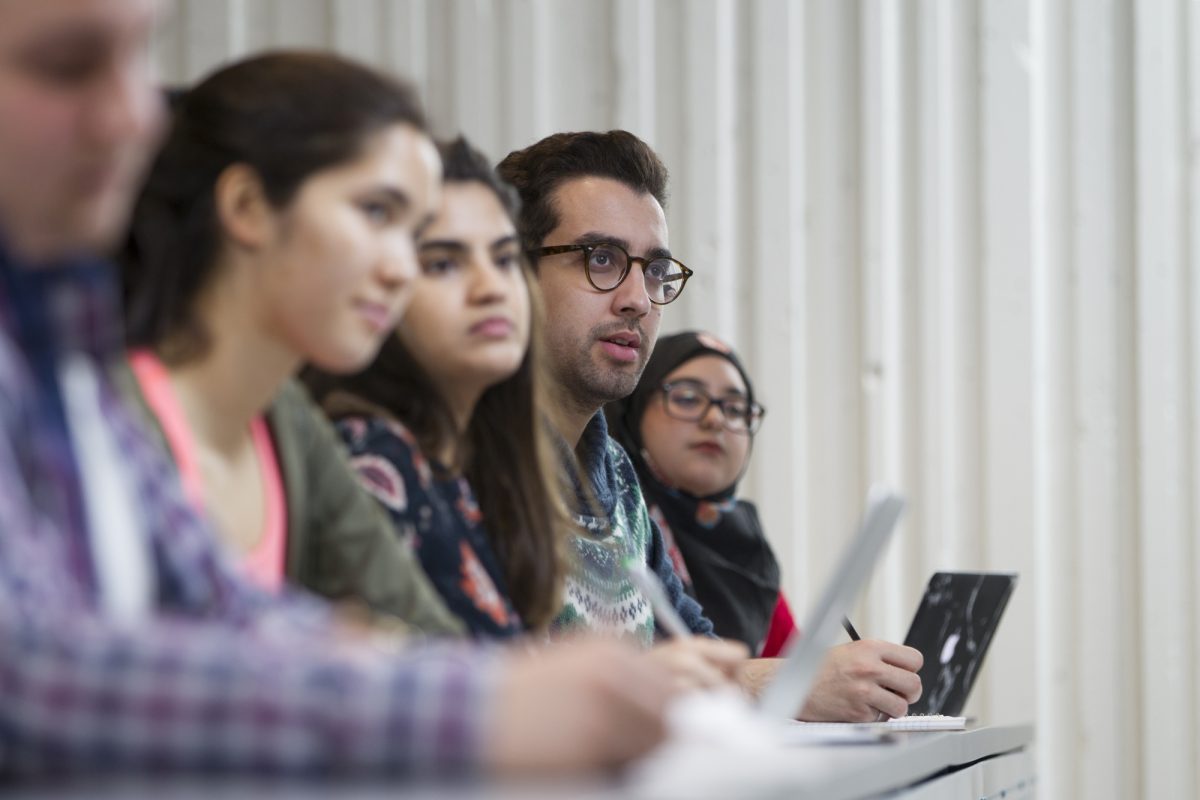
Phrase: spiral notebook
[913,722]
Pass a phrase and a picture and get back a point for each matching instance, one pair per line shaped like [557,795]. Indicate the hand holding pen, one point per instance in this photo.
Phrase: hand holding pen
[897,659]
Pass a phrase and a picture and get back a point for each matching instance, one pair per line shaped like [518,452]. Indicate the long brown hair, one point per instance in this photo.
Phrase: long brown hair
[507,453]
[287,115]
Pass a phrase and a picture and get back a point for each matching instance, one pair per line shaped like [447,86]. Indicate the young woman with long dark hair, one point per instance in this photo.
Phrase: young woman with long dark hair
[446,426]
[276,228]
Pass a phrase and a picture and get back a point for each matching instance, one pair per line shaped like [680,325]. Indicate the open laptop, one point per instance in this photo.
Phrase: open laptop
[953,628]
[785,694]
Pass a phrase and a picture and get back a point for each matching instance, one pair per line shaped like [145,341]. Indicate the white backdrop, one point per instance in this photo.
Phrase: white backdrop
[955,241]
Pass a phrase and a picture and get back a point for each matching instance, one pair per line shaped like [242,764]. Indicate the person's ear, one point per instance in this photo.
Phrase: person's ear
[245,215]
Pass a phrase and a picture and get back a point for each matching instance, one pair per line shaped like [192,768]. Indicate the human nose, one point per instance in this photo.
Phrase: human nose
[630,298]
[709,419]
[398,266]
[126,107]
[488,283]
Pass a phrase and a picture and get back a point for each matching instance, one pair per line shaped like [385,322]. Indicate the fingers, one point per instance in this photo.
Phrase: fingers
[902,656]
[699,663]
[894,668]
[631,718]
[583,705]
[902,683]
[688,670]
[861,680]
[724,654]
[897,669]
[888,703]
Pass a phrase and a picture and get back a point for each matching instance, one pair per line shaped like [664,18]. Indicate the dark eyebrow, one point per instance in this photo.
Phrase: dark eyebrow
[444,244]
[459,246]
[74,37]
[394,195]
[597,237]
[728,391]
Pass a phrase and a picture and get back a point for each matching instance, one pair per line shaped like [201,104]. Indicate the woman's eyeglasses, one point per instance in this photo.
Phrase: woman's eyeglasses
[686,401]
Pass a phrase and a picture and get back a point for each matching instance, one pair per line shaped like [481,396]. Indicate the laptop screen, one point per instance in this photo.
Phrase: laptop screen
[953,628]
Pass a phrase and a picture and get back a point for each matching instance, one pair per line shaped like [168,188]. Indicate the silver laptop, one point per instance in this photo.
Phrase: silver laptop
[786,693]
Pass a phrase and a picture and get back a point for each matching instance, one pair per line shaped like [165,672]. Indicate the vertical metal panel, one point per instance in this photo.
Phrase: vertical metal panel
[298,23]
[635,67]
[928,231]
[259,21]
[1191,281]
[777,270]
[707,166]
[404,27]
[954,510]
[1054,393]
[440,100]
[671,129]
[1102,233]
[167,45]
[579,46]
[475,63]
[833,288]
[355,30]
[1007,692]
[213,32]
[889,303]
[1168,622]
[526,107]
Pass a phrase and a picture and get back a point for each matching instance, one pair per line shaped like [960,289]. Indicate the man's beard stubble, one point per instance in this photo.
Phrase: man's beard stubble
[588,385]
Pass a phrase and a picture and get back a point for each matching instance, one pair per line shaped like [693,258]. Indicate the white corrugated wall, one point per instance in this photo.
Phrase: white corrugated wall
[955,241]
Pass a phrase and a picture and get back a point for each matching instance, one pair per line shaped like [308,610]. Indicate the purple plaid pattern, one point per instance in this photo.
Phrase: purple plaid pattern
[224,677]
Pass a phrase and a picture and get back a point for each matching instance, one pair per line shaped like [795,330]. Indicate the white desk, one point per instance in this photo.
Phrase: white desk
[974,764]
[984,763]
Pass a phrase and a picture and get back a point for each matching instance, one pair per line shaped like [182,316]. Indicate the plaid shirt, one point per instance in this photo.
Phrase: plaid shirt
[222,676]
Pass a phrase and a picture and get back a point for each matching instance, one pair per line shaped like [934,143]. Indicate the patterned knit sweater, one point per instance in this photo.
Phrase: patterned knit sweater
[599,595]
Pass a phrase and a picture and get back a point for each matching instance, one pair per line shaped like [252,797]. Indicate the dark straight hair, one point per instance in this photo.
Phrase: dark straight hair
[286,115]
[506,454]
[545,165]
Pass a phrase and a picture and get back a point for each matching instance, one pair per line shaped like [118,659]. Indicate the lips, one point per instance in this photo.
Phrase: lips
[708,448]
[622,346]
[379,316]
[493,328]
[628,339]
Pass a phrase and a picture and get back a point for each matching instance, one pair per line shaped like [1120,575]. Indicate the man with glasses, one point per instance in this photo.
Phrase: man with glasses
[593,224]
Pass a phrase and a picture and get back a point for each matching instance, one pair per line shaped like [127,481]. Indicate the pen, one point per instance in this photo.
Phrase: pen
[849,626]
[650,586]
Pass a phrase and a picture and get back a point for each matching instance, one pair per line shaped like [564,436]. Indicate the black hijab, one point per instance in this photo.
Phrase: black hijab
[727,564]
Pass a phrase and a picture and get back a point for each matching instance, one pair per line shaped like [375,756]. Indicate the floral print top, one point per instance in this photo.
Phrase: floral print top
[440,518]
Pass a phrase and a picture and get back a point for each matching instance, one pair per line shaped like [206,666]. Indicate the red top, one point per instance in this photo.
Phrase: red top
[780,631]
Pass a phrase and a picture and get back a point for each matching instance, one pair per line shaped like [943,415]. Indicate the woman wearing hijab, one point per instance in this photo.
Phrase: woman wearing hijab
[689,426]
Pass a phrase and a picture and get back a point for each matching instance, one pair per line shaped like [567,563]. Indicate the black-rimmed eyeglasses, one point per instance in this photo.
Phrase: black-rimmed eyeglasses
[686,401]
[606,264]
